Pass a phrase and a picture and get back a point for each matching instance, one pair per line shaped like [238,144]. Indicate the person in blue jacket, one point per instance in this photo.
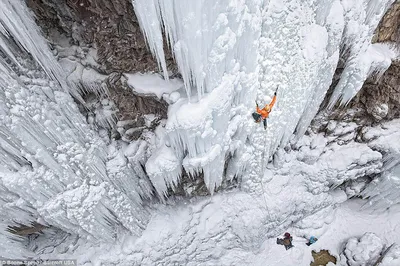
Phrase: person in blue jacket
[312,240]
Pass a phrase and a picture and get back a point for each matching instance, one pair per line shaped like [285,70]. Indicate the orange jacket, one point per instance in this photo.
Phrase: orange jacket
[267,109]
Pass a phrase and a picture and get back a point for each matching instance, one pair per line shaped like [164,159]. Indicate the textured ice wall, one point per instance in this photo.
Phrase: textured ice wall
[231,53]
[215,45]
[363,58]
[54,168]
[55,162]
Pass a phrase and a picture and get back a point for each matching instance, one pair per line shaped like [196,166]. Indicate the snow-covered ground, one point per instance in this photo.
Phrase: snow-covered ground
[217,232]
[348,221]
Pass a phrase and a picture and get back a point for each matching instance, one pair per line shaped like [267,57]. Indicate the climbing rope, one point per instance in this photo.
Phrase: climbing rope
[262,176]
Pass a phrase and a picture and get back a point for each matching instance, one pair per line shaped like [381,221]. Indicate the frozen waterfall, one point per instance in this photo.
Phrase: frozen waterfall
[231,53]
[55,169]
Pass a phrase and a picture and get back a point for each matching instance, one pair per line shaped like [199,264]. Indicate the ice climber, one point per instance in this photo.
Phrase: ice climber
[262,114]
[286,241]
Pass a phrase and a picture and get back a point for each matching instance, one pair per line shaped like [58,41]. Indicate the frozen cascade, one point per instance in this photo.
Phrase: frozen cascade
[199,132]
[58,165]
[55,169]
[232,52]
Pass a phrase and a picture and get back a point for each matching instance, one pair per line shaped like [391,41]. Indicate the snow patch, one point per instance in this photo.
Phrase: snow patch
[363,251]
[153,84]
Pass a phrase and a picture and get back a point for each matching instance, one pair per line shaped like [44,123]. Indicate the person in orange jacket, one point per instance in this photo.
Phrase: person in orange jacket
[262,114]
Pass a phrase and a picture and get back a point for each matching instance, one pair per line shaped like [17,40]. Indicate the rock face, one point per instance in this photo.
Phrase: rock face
[389,30]
[132,106]
[109,26]
[108,33]
[381,98]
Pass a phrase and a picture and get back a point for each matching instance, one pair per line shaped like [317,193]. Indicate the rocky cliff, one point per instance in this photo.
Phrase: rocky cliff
[104,36]
[380,96]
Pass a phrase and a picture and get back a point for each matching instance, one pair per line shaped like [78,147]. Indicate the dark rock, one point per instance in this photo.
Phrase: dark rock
[379,99]
[109,26]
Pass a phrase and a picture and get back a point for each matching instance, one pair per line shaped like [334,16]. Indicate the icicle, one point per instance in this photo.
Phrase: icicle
[148,15]
[17,21]
[201,49]
[164,170]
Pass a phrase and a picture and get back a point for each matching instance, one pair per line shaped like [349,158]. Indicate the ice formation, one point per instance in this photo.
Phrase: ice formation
[17,22]
[364,58]
[233,52]
[55,169]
